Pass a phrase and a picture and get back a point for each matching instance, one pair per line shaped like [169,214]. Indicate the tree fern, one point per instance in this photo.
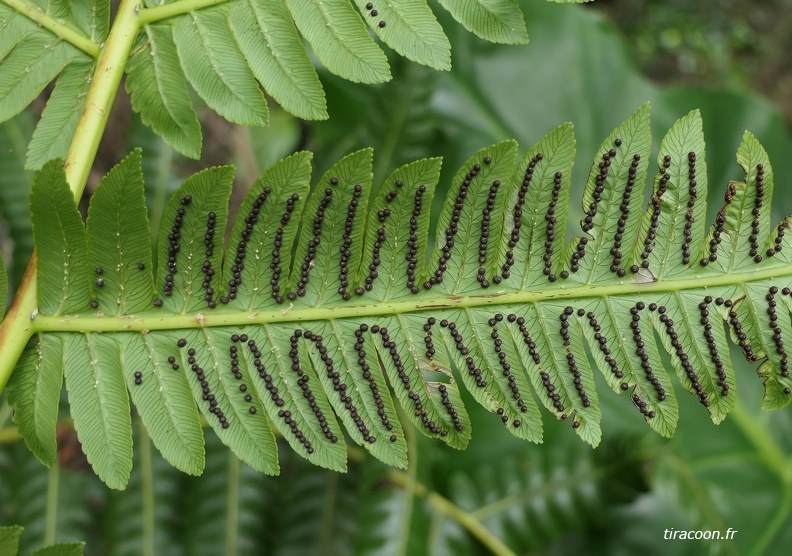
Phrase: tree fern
[323,298]
[226,50]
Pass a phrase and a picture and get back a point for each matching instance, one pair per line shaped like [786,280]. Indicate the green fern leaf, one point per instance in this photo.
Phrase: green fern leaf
[55,8]
[59,236]
[268,38]
[411,29]
[99,405]
[34,392]
[498,21]
[159,91]
[14,26]
[332,304]
[92,18]
[216,68]
[205,193]
[339,39]
[242,426]
[58,122]
[26,70]
[163,400]
[119,249]
[61,549]
[287,183]
[9,539]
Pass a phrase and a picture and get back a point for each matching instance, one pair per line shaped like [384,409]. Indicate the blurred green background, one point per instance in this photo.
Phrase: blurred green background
[592,65]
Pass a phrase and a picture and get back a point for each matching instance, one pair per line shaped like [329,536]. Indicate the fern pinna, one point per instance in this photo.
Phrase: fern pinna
[332,304]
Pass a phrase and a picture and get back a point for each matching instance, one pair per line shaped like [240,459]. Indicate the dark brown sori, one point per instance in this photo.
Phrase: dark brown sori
[692,196]
[570,357]
[651,235]
[360,336]
[640,347]
[335,377]
[205,388]
[453,227]
[624,207]
[241,249]
[393,352]
[318,220]
[683,357]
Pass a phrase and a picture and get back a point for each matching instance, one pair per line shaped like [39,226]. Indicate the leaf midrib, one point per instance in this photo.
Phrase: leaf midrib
[288,314]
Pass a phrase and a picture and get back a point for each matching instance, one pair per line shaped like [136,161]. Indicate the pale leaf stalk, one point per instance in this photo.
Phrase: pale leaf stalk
[51,523]
[60,29]
[17,328]
[158,13]
[232,504]
[147,486]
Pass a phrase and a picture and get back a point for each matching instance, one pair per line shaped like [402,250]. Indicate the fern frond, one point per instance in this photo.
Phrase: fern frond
[323,298]
[227,51]
[9,539]
[9,544]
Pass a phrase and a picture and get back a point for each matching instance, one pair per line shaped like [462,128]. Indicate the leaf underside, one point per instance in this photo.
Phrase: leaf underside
[326,311]
[227,53]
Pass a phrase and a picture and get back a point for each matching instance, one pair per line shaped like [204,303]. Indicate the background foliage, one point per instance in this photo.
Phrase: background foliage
[557,498]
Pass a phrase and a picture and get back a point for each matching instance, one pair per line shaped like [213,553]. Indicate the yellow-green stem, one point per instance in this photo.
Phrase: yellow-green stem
[158,13]
[150,321]
[232,505]
[16,329]
[60,29]
[766,446]
[51,522]
[104,87]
